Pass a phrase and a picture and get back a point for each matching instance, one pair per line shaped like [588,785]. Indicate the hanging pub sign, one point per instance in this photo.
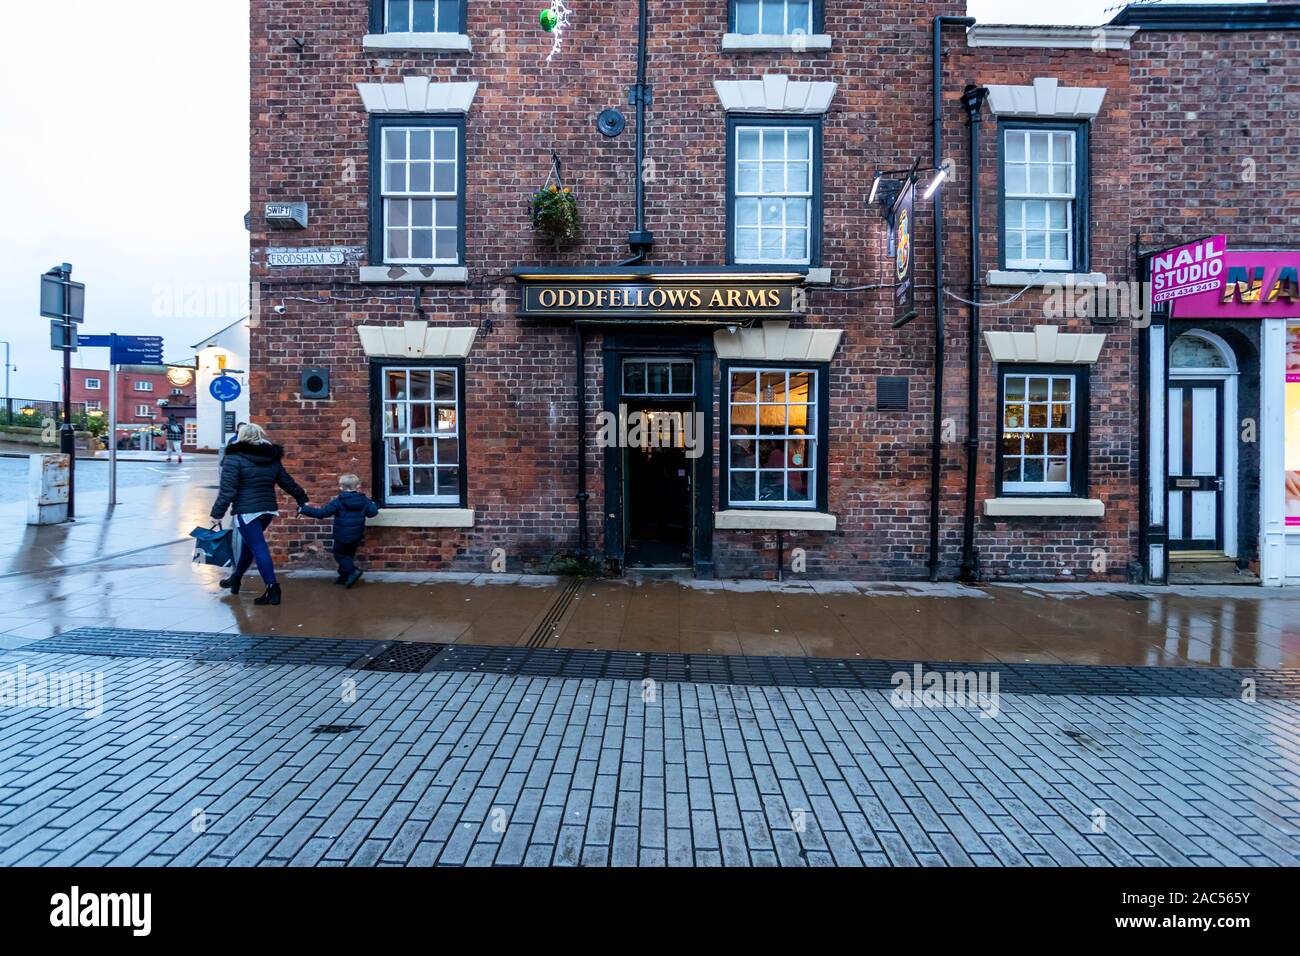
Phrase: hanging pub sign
[902,242]
[680,295]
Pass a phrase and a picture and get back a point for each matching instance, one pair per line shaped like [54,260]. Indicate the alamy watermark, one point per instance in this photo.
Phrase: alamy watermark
[967,690]
[1113,301]
[651,429]
[58,690]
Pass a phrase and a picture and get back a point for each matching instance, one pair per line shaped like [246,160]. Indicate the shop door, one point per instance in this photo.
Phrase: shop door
[1196,476]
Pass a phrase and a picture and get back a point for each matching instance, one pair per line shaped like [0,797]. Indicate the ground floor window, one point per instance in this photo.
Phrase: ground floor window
[191,431]
[774,455]
[420,435]
[1291,429]
[1043,412]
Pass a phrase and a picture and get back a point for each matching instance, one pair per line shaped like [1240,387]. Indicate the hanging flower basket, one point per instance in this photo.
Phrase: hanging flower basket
[555,213]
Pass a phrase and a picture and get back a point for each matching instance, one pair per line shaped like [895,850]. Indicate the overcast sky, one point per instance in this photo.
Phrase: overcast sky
[126,133]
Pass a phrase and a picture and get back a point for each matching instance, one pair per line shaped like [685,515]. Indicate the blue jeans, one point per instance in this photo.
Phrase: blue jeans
[255,548]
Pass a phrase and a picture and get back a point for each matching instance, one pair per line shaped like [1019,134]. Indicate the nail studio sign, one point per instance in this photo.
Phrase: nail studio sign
[1187,270]
[1253,285]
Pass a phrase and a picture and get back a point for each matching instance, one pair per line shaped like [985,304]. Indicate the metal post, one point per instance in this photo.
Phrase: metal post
[112,420]
[67,434]
[9,400]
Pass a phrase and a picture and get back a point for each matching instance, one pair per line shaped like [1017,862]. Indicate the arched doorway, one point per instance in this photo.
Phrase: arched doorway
[1202,448]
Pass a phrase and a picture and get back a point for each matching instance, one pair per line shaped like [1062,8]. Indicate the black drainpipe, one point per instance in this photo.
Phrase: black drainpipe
[579,342]
[936,139]
[640,239]
[972,100]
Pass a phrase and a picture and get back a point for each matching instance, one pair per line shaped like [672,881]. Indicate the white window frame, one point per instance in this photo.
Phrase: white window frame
[1023,198]
[390,196]
[809,438]
[1025,430]
[143,386]
[93,405]
[144,411]
[391,27]
[93,385]
[764,131]
[763,24]
[407,434]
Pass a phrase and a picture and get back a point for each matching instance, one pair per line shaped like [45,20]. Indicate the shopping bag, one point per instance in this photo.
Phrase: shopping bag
[213,546]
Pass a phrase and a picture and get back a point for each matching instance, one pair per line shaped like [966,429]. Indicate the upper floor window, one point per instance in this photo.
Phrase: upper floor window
[775,201]
[773,17]
[92,384]
[144,386]
[143,411]
[1044,197]
[422,16]
[1043,448]
[417,191]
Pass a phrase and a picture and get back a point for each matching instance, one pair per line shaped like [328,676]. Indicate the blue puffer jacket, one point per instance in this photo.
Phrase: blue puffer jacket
[349,511]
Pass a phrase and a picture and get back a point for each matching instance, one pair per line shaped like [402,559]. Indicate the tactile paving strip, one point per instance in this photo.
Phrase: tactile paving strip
[411,657]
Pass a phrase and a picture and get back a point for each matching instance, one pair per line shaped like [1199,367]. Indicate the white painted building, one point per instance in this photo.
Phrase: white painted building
[228,347]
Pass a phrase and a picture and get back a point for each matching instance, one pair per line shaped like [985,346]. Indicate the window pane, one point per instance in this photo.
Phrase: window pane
[657,378]
[399,15]
[449,16]
[799,143]
[774,144]
[1016,179]
[773,177]
[742,486]
[425,19]
[444,177]
[683,378]
[1058,247]
[1015,387]
[423,482]
[446,212]
[797,17]
[395,143]
[448,450]
[447,418]
[770,245]
[796,212]
[773,211]
[742,454]
[747,179]
[420,384]
[1037,179]
[421,212]
[420,143]
[419,178]
[742,386]
[746,16]
[394,177]
[421,419]
[444,385]
[747,144]
[398,246]
[447,246]
[771,486]
[1015,146]
[746,243]
[634,378]
[422,451]
[422,244]
[1038,389]
[796,244]
[444,142]
[1038,147]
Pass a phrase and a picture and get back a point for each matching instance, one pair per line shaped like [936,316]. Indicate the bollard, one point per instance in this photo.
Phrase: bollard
[47,489]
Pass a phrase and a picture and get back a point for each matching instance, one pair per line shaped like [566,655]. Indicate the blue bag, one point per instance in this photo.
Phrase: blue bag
[214,546]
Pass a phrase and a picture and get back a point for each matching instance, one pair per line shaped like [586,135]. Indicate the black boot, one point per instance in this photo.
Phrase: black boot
[270,596]
[232,583]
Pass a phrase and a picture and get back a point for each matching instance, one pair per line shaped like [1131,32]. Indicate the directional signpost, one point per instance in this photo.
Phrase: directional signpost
[64,303]
[224,388]
[123,350]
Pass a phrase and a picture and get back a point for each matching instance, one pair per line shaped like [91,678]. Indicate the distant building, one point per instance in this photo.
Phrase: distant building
[229,346]
[146,400]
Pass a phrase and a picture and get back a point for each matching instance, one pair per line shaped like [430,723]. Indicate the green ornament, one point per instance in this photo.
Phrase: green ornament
[548,20]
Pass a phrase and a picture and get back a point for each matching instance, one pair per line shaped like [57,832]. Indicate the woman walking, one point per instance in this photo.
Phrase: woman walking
[249,474]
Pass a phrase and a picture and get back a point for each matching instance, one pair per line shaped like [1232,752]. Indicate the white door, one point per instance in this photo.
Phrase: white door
[1196,476]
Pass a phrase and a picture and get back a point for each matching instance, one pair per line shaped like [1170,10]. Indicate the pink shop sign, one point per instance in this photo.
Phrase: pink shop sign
[1253,285]
[1188,269]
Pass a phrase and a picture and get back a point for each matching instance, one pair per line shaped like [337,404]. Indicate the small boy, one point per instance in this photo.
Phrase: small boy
[349,511]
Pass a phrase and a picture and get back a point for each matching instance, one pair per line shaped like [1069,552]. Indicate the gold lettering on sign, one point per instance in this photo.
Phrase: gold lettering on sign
[546,298]
[1243,285]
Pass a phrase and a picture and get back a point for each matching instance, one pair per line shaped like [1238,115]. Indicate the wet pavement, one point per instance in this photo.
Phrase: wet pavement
[131,569]
[458,719]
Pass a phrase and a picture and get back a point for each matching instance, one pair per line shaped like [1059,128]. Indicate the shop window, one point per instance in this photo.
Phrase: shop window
[417,16]
[419,434]
[1043,448]
[775,17]
[191,431]
[658,377]
[1291,428]
[1044,197]
[417,197]
[774,206]
[775,452]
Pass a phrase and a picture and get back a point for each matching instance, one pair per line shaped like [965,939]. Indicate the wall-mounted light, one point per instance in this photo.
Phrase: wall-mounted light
[934,182]
[875,189]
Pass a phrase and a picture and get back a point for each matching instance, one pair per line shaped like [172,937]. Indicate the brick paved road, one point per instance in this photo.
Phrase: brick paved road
[217,764]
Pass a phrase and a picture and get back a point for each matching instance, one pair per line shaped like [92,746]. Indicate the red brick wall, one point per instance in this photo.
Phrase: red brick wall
[310,144]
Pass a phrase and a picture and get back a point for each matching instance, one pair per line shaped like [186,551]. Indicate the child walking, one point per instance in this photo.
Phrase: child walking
[349,510]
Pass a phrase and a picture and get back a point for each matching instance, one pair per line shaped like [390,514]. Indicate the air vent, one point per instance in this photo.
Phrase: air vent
[891,393]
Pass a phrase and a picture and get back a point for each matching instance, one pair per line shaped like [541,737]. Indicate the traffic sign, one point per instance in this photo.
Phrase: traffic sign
[62,298]
[63,336]
[225,388]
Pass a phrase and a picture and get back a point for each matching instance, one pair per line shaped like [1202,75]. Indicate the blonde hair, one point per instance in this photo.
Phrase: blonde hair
[349,482]
[253,434]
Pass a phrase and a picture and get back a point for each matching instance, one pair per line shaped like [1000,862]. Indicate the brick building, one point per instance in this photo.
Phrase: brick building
[734,290]
[146,399]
